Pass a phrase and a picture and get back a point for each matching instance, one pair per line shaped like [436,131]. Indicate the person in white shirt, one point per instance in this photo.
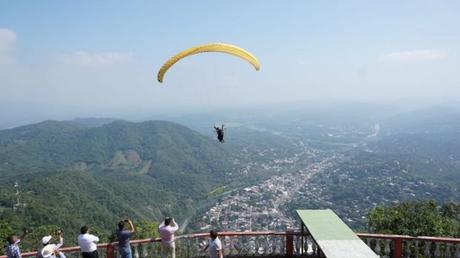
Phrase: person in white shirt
[51,250]
[214,246]
[87,243]
[167,230]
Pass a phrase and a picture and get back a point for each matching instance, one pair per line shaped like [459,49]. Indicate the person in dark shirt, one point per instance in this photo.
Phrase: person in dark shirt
[220,133]
[123,236]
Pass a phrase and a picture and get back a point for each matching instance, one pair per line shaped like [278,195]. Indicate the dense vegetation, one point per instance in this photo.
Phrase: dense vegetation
[96,171]
[424,218]
[73,173]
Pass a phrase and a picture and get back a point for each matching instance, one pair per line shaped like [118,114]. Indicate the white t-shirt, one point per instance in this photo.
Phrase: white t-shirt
[87,243]
[214,247]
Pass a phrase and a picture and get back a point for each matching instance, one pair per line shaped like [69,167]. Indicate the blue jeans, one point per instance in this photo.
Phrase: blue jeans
[125,252]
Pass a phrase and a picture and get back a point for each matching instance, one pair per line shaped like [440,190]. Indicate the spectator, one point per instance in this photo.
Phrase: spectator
[50,250]
[124,235]
[87,243]
[167,230]
[13,250]
[214,246]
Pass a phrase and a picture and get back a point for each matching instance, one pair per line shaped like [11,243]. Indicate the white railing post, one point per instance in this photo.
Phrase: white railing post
[387,249]
[377,247]
[136,253]
[427,251]
[145,252]
[447,253]
[408,250]
[437,252]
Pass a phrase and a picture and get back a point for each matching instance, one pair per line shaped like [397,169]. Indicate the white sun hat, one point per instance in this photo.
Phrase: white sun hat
[48,251]
[46,239]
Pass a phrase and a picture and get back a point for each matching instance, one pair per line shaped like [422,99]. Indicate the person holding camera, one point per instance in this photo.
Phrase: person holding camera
[51,250]
[123,236]
[12,249]
[167,230]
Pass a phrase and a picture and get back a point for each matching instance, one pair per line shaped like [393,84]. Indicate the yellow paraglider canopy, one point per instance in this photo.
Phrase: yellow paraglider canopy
[213,47]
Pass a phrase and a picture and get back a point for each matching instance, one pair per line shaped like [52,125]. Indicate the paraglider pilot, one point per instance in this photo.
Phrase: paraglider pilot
[220,133]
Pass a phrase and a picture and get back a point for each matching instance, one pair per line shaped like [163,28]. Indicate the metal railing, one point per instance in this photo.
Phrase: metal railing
[280,244]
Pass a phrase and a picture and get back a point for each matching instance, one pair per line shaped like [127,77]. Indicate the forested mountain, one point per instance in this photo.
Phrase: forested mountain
[77,172]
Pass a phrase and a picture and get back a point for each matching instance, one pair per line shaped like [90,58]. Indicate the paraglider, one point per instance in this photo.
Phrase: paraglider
[213,47]
[220,133]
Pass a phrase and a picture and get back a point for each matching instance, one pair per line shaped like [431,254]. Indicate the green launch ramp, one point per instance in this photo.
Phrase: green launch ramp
[333,237]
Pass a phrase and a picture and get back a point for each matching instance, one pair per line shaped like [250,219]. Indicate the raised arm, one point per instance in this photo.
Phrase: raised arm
[24,234]
[133,229]
[61,241]
[94,239]
[175,226]
[162,224]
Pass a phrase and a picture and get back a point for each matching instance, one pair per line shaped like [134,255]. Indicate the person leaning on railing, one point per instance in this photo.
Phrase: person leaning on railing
[87,243]
[214,246]
[167,230]
[123,236]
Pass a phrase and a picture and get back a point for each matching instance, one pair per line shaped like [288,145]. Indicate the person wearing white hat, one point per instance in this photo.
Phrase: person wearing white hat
[51,250]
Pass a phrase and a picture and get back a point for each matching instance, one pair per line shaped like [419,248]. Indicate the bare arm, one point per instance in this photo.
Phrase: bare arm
[133,229]
[174,225]
[24,234]
[161,225]
[61,242]
[220,253]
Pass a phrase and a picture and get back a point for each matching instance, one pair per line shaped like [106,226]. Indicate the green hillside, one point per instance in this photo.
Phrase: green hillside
[71,173]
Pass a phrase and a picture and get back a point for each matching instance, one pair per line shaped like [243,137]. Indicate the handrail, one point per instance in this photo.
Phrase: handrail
[411,238]
[153,240]
[396,238]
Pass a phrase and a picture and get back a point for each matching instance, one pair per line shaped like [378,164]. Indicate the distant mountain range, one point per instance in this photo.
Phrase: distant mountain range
[97,170]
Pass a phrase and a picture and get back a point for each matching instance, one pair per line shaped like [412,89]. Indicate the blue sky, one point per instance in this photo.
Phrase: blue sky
[105,54]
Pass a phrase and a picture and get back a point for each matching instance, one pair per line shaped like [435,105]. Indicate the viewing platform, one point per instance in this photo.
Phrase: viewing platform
[322,234]
[281,244]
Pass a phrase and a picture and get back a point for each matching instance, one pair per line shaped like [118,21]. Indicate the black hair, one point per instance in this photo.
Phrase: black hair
[84,229]
[213,234]
[10,239]
[121,225]
[168,221]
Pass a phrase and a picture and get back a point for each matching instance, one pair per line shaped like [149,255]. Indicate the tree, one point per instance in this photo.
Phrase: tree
[146,229]
[5,231]
[423,218]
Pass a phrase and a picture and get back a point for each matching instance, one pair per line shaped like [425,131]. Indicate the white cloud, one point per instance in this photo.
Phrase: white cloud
[7,46]
[97,59]
[417,55]
[7,39]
